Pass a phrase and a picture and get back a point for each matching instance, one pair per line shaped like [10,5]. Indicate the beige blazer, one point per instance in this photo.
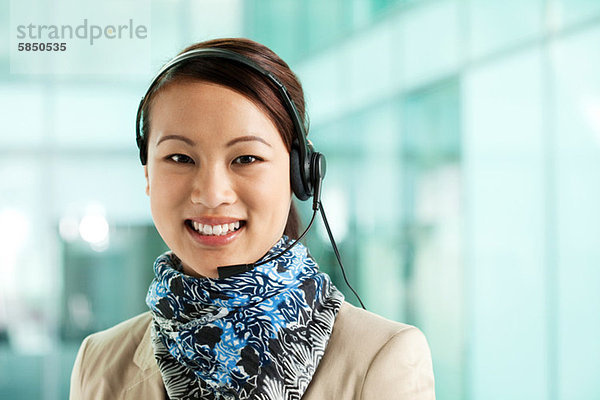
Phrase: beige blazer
[368,357]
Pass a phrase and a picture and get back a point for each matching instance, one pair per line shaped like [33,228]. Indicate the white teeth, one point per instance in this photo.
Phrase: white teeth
[217,230]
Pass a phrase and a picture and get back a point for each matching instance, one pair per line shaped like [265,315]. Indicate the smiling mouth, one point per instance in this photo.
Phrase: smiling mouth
[215,230]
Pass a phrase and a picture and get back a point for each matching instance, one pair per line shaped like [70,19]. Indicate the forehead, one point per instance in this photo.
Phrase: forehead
[201,108]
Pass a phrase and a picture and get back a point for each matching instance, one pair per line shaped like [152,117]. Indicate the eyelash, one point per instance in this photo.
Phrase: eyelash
[176,158]
[254,159]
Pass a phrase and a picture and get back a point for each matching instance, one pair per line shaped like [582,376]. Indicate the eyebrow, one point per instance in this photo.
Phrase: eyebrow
[248,138]
[176,137]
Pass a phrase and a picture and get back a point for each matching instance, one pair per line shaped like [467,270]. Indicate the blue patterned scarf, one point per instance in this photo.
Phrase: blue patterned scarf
[257,335]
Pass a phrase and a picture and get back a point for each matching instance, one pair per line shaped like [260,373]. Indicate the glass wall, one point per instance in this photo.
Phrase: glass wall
[463,149]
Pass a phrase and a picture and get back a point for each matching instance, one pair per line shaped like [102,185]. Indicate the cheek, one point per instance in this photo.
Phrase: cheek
[165,191]
[270,196]
[279,194]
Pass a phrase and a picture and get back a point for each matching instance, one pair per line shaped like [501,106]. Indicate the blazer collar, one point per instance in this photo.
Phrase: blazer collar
[144,354]
[148,383]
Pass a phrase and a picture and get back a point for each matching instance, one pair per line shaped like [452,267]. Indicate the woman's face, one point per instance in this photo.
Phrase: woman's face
[217,176]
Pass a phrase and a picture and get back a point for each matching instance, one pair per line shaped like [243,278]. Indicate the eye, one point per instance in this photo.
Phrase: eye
[180,159]
[246,159]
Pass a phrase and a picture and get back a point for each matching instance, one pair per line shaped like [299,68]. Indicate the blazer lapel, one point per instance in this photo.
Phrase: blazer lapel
[148,382]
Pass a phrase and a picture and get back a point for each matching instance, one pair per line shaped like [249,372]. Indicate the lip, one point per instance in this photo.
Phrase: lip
[214,241]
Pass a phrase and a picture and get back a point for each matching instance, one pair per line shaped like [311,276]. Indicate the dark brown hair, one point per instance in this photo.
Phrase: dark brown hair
[247,82]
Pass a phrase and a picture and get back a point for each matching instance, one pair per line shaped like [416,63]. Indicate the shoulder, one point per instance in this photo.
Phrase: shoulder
[134,327]
[363,335]
[352,323]
[109,360]
[122,339]
[373,357]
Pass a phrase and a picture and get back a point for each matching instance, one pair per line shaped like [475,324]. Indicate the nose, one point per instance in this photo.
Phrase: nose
[212,188]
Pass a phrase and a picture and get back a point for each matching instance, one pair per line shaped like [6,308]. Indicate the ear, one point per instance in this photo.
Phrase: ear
[147,180]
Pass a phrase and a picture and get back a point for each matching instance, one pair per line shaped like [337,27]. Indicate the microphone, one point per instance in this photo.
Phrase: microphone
[318,168]
[231,270]
[318,172]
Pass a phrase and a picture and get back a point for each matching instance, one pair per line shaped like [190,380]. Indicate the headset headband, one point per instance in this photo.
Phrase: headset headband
[303,146]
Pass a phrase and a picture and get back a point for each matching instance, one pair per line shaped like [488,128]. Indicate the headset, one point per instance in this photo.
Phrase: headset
[307,166]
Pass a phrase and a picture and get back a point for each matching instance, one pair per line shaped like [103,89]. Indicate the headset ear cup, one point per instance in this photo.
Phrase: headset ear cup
[296,175]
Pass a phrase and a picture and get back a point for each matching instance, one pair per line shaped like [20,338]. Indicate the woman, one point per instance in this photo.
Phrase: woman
[219,142]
